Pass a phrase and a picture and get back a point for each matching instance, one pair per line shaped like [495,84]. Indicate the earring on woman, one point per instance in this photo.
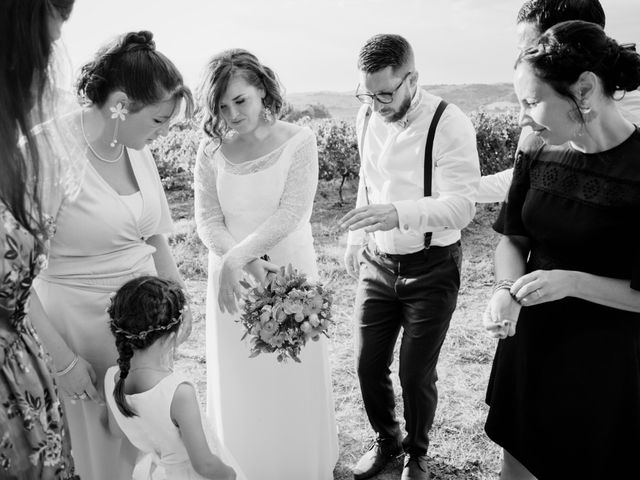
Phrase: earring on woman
[119,113]
[267,114]
[587,113]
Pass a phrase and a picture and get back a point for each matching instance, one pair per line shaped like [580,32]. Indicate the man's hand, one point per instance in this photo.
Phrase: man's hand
[372,218]
[351,260]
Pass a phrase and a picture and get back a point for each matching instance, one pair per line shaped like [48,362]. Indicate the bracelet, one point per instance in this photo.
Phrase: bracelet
[72,364]
[505,284]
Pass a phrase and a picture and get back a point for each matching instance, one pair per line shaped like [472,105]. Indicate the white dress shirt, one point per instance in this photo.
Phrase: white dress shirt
[393,167]
[494,188]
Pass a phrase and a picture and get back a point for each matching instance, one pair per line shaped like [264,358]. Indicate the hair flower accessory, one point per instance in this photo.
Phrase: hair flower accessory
[116,330]
[119,111]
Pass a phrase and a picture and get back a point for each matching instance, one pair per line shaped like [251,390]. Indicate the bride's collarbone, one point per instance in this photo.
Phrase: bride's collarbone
[238,150]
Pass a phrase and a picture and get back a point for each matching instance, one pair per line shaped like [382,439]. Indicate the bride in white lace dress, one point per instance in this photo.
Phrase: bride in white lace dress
[255,181]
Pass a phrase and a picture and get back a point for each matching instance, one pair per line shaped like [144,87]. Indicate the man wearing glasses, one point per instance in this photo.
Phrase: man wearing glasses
[404,244]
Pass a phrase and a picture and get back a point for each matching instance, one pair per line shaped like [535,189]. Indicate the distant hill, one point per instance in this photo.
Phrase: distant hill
[469,97]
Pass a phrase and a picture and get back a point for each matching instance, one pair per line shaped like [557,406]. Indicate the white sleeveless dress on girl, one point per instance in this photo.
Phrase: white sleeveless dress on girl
[156,436]
[276,419]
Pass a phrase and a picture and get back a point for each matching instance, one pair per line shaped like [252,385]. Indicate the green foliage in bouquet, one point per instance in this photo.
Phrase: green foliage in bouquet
[283,313]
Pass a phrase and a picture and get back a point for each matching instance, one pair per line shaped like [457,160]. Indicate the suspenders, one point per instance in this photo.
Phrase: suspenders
[428,157]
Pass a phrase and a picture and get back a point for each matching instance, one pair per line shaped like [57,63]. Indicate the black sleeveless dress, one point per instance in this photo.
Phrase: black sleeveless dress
[564,392]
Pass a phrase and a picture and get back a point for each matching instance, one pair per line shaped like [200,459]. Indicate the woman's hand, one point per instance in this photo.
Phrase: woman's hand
[80,382]
[259,269]
[501,314]
[185,327]
[542,286]
[230,289]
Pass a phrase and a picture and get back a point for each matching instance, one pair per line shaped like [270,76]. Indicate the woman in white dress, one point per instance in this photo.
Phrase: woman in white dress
[255,182]
[113,232]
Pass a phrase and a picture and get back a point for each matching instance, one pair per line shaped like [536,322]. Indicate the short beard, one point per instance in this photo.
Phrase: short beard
[402,111]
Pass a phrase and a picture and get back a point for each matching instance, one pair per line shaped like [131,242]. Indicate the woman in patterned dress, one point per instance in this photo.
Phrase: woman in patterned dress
[34,443]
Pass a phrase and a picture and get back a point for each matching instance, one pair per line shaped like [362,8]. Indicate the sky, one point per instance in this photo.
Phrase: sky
[313,44]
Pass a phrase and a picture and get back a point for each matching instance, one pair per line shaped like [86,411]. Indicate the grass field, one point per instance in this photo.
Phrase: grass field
[459,448]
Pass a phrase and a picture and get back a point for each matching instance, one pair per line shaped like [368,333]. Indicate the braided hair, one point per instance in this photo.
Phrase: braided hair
[142,311]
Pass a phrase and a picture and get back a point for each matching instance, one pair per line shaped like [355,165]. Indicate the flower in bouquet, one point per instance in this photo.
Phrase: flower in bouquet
[281,314]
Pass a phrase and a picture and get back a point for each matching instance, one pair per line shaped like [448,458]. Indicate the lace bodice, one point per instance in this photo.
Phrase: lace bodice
[578,210]
[256,165]
[265,199]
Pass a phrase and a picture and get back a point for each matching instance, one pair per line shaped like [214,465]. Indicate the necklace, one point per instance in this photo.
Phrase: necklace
[84,135]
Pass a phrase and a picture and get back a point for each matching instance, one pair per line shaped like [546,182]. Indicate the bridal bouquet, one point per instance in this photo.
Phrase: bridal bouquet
[283,313]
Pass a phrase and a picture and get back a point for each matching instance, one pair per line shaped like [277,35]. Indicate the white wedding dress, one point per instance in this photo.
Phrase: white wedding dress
[276,419]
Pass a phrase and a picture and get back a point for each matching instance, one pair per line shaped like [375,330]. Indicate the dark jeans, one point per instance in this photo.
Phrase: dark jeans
[417,292]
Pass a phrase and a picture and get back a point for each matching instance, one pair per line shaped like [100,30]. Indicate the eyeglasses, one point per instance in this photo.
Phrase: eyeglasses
[382,97]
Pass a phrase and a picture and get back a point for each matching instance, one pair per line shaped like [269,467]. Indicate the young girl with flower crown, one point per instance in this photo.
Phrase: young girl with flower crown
[154,407]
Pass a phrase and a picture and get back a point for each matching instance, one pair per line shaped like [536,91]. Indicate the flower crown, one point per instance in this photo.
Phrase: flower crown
[143,334]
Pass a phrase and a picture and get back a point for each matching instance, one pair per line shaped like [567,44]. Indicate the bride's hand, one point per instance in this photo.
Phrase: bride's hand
[230,289]
[259,269]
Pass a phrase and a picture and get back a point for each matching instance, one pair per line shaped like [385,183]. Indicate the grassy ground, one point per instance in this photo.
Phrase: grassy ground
[459,448]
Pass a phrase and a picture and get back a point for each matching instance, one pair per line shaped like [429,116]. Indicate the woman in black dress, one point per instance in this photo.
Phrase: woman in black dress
[564,392]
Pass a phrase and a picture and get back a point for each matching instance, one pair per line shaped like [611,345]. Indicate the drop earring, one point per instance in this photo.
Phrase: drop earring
[267,114]
[119,113]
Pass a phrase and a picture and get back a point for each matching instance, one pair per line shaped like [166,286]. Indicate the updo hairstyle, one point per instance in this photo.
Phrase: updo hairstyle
[132,64]
[570,48]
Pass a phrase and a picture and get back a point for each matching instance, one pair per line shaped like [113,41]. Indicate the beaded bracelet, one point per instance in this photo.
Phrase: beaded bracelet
[72,364]
[504,284]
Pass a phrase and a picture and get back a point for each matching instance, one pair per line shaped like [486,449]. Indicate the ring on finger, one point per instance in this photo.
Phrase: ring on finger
[83,396]
[539,294]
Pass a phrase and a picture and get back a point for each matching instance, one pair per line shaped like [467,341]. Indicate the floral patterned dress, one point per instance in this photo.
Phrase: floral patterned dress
[34,443]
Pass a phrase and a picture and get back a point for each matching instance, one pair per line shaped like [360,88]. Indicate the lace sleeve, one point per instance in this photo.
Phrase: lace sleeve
[62,164]
[295,203]
[210,224]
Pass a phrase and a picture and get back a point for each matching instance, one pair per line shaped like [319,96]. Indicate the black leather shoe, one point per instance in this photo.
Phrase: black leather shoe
[381,453]
[415,468]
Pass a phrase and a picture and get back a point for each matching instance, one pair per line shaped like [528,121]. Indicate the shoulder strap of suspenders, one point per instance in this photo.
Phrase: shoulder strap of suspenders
[428,159]
[365,125]
[428,156]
